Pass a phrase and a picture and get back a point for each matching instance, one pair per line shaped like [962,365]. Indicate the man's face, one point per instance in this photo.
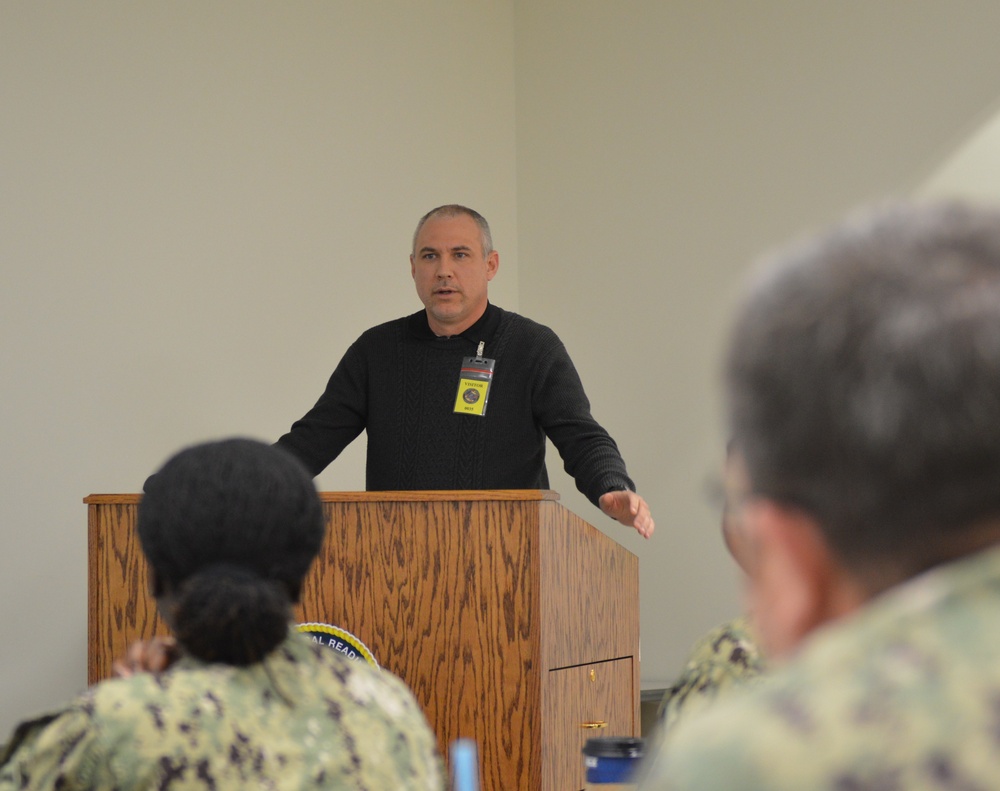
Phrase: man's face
[451,274]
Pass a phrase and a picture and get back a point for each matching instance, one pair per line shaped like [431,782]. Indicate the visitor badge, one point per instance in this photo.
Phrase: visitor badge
[474,384]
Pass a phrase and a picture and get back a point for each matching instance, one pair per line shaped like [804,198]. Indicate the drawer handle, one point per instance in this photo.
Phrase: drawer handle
[594,724]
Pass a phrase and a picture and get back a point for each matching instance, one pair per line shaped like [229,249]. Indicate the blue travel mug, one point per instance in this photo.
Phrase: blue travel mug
[612,762]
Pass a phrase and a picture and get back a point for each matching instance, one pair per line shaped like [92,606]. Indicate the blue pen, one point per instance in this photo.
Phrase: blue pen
[464,765]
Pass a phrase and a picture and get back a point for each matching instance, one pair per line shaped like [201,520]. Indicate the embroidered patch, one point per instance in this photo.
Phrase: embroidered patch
[339,640]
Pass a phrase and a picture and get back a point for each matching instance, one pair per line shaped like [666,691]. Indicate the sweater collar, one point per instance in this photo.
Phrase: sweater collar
[483,330]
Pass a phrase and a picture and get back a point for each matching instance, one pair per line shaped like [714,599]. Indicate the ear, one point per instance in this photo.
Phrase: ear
[492,264]
[796,581]
[413,267]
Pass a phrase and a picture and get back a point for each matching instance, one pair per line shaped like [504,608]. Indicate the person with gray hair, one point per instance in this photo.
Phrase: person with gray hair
[462,394]
[863,399]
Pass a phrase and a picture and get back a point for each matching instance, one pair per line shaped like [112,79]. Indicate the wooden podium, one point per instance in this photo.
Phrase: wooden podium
[514,622]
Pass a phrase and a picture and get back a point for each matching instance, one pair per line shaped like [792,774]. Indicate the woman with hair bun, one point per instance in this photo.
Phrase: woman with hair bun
[237,698]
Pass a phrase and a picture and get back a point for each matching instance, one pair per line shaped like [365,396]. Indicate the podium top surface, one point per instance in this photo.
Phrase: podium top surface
[400,496]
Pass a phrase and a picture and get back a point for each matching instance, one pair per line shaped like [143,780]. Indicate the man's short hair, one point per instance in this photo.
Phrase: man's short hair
[456,210]
[863,382]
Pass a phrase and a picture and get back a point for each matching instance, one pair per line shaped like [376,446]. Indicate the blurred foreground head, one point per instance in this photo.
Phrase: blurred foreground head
[863,390]
[230,529]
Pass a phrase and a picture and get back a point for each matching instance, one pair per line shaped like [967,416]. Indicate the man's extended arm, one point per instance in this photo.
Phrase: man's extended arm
[336,420]
[589,453]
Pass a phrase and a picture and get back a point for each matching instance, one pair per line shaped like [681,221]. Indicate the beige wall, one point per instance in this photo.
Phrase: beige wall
[202,204]
[972,170]
[660,147]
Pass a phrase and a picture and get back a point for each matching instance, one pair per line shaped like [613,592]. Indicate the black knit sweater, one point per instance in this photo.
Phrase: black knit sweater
[399,381]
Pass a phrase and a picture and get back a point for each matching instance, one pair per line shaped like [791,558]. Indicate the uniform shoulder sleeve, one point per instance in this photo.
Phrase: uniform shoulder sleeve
[51,751]
[390,718]
[726,657]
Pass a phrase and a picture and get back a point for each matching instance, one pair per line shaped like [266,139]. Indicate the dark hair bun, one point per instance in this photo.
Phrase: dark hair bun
[230,529]
[224,613]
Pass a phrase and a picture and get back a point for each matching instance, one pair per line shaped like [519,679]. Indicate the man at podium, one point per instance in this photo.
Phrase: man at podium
[462,394]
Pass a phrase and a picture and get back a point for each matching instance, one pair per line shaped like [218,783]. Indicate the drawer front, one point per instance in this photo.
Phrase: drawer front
[580,703]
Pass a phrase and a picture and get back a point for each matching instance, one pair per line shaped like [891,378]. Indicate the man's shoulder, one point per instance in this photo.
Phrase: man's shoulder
[734,740]
[520,328]
[389,332]
[394,326]
[884,688]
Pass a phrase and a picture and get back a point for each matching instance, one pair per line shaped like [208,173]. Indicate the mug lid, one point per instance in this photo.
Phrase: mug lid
[615,747]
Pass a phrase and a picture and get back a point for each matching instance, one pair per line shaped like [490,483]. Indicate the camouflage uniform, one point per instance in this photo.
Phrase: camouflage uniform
[904,694]
[726,657]
[306,717]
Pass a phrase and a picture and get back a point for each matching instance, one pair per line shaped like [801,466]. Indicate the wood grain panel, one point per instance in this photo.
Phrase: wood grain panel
[445,595]
[119,607]
[437,495]
[590,592]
